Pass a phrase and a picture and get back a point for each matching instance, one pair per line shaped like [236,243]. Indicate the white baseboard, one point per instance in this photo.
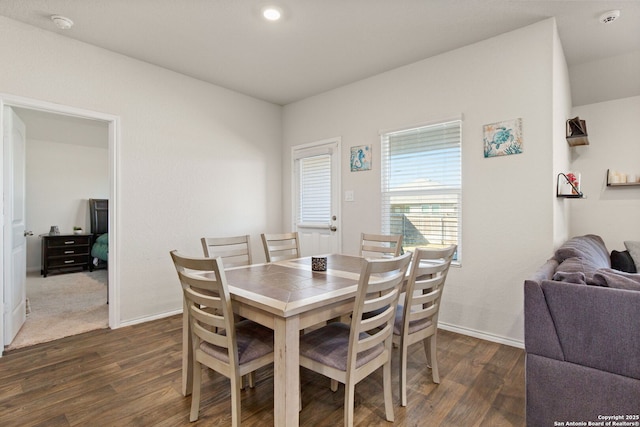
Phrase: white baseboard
[481,335]
[149,318]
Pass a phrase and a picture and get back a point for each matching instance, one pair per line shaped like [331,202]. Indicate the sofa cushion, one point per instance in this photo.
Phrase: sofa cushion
[611,278]
[622,261]
[634,251]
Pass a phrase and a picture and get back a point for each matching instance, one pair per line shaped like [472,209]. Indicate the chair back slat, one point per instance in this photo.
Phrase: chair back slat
[380,245]
[280,247]
[234,251]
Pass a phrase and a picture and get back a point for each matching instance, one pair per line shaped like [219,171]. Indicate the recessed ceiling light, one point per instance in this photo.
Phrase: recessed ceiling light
[62,22]
[609,17]
[272,13]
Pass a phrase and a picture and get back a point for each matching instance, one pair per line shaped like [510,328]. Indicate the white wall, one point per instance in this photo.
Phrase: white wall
[614,143]
[507,201]
[606,79]
[60,178]
[194,159]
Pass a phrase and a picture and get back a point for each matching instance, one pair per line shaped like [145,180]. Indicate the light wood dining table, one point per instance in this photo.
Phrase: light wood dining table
[287,297]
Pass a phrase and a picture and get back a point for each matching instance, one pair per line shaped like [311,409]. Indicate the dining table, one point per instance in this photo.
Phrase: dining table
[287,297]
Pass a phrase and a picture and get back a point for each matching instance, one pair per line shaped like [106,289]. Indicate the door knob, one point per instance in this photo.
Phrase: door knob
[28,233]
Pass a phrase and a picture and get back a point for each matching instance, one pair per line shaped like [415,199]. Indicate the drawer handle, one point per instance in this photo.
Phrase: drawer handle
[69,252]
[69,261]
[69,242]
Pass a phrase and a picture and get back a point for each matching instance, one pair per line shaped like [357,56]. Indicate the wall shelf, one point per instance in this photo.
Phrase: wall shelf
[575,194]
[577,132]
[621,184]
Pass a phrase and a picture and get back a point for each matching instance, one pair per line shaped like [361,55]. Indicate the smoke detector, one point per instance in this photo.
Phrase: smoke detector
[62,22]
[609,17]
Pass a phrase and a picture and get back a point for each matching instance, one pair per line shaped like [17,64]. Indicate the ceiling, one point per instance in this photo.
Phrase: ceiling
[319,44]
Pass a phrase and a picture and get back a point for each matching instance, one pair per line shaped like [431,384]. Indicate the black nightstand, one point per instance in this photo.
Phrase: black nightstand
[66,253]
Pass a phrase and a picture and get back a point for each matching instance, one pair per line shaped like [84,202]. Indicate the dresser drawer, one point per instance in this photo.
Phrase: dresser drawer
[57,251]
[68,261]
[64,241]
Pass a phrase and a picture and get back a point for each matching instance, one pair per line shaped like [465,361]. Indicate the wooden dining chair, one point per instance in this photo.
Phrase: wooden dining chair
[234,251]
[417,319]
[279,247]
[216,341]
[349,353]
[380,245]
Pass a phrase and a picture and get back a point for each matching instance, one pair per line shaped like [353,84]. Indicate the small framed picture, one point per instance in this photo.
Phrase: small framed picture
[360,158]
[503,138]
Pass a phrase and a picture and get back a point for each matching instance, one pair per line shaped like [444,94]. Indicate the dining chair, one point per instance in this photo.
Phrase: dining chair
[380,245]
[234,251]
[217,342]
[279,247]
[349,353]
[417,319]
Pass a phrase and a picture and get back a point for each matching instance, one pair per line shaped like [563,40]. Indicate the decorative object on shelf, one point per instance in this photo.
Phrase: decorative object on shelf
[503,138]
[577,132]
[54,231]
[621,179]
[568,185]
[77,230]
[361,158]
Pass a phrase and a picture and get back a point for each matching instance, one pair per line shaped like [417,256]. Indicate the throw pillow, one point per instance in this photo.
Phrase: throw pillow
[622,261]
[634,249]
[616,279]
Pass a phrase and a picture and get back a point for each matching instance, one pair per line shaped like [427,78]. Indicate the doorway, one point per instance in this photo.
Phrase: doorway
[66,118]
[316,195]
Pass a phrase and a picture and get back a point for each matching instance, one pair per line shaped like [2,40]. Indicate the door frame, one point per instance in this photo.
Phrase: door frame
[336,177]
[114,142]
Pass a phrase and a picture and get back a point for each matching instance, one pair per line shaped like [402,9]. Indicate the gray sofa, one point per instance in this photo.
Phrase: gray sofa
[582,338]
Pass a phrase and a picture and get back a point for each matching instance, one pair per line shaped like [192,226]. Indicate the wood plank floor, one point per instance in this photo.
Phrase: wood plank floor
[131,377]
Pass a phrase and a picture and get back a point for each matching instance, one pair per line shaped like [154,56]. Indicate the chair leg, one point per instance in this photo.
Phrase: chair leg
[433,356]
[349,401]
[403,373]
[235,400]
[388,398]
[195,391]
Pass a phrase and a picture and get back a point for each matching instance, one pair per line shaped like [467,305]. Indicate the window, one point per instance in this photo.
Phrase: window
[315,189]
[422,184]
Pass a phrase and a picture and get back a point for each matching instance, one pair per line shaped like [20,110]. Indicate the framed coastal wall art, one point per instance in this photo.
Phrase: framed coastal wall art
[503,138]
[360,158]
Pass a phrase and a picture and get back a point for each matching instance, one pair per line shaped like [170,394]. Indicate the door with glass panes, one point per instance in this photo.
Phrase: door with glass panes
[316,195]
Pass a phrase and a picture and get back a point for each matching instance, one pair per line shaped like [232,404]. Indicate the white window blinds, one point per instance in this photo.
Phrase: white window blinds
[422,184]
[315,189]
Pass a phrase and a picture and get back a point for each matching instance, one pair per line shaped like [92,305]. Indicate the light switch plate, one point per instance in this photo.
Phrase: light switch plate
[348,196]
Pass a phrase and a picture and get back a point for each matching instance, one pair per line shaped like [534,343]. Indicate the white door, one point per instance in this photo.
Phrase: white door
[15,244]
[316,195]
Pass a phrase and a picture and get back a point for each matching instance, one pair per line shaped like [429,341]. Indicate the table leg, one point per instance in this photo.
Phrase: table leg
[286,386]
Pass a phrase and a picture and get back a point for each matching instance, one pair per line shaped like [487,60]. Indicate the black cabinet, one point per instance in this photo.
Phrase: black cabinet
[66,253]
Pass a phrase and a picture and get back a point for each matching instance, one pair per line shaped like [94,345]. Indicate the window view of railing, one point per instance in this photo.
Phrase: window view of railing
[422,184]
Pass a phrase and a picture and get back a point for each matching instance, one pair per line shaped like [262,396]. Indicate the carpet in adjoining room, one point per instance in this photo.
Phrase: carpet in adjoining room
[63,305]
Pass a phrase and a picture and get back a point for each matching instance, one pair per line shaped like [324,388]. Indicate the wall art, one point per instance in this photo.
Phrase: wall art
[361,158]
[503,138]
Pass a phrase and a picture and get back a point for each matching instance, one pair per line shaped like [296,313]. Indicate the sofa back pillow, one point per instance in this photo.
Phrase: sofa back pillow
[622,261]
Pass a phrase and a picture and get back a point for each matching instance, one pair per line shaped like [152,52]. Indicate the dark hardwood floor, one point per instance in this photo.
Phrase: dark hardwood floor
[131,377]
